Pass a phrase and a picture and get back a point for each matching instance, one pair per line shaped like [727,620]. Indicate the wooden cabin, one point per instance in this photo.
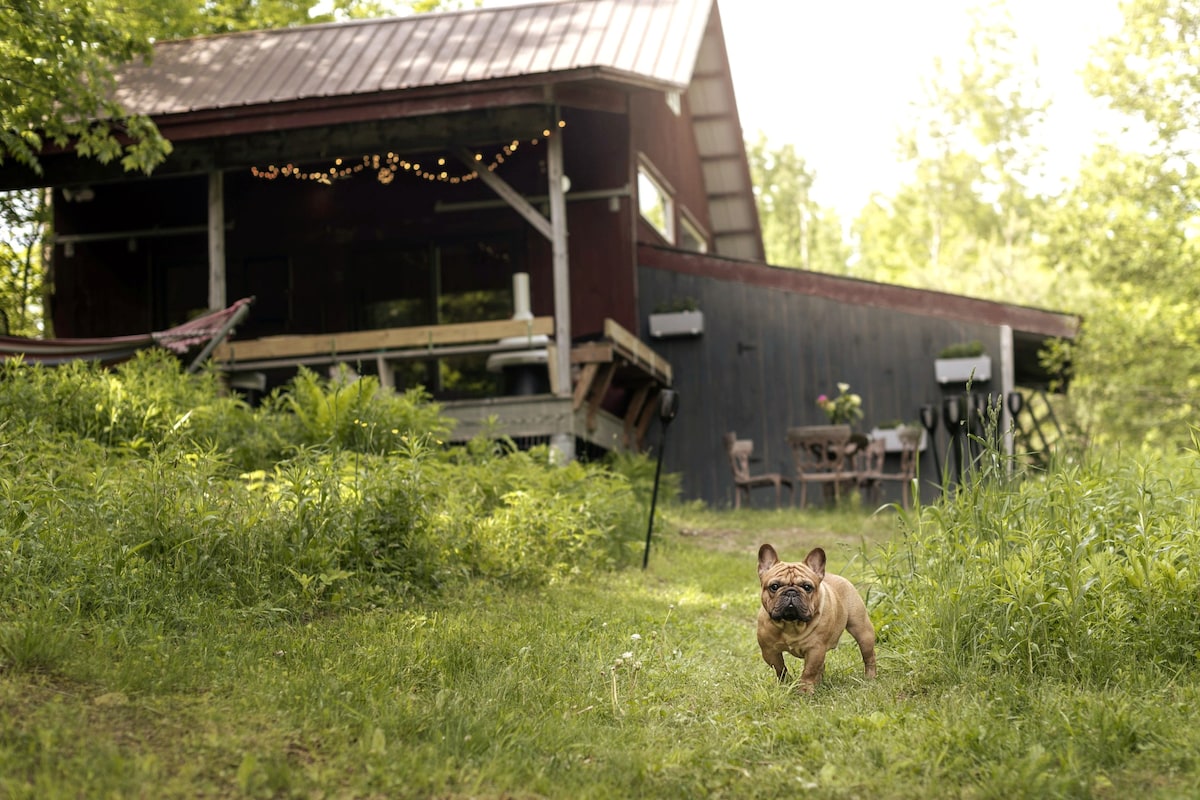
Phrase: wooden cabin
[491,203]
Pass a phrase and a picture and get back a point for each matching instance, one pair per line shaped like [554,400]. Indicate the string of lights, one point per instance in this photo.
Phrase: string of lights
[387,166]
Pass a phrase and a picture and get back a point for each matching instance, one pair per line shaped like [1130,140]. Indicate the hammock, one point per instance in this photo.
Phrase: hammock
[212,327]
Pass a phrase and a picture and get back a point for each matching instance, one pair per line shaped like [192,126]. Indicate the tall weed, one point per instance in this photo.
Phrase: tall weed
[1083,573]
[355,413]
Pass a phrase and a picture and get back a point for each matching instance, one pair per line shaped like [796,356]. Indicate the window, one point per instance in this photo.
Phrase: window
[691,235]
[655,202]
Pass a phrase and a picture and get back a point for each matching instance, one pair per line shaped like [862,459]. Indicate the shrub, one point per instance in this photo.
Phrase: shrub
[144,493]
[356,414]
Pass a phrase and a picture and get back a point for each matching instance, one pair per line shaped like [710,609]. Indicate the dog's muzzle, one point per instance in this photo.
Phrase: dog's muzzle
[790,608]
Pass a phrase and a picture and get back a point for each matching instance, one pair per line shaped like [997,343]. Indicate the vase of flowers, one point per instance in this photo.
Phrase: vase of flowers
[844,409]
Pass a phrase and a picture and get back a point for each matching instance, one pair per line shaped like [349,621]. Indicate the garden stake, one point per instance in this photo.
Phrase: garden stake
[668,407]
[952,414]
[929,420]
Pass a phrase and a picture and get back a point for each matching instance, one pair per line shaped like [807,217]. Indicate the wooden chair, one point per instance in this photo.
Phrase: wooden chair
[820,453]
[872,474]
[739,451]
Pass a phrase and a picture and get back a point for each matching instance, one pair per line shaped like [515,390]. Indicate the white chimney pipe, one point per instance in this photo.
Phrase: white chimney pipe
[521,302]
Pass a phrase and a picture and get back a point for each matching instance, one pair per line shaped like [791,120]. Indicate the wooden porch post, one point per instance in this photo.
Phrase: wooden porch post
[562,272]
[563,443]
[216,240]
[1007,385]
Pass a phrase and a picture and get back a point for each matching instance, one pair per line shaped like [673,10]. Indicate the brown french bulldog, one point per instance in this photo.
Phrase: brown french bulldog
[804,611]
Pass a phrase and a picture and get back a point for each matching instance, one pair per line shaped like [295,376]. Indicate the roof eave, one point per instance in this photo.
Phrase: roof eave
[540,89]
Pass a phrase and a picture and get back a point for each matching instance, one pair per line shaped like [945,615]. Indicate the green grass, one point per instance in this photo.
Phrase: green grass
[645,684]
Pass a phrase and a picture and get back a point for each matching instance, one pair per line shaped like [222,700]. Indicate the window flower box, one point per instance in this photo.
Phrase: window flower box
[960,370]
[676,323]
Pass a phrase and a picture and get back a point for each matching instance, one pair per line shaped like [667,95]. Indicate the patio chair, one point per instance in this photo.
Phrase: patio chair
[820,452]
[871,474]
[739,451]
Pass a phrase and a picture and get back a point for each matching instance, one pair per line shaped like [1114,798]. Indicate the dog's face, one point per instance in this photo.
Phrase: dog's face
[790,591]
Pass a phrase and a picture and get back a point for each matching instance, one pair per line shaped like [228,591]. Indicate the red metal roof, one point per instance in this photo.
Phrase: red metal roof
[643,42]
[293,77]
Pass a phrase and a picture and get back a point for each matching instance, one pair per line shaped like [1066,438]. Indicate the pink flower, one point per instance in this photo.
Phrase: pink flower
[822,399]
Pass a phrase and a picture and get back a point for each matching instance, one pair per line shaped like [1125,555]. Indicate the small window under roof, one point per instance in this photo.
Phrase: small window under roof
[655,202]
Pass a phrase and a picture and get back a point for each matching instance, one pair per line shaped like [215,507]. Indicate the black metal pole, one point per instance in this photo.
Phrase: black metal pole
[654,499]
[668,406]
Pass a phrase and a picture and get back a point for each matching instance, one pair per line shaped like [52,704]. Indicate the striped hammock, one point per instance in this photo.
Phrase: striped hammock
[214,325]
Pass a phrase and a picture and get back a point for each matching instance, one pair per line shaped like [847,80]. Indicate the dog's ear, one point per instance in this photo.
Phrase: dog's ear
[816,561]
[767,558]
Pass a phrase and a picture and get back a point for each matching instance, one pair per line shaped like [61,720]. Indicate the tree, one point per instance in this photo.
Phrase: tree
[23,215]
[175,19]
[965,221]
[1130,226]
[796,231]
[56,59]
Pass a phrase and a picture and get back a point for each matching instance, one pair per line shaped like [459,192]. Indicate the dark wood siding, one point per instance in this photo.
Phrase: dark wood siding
[114,285]
[600,231]
[764,357]
[667,139]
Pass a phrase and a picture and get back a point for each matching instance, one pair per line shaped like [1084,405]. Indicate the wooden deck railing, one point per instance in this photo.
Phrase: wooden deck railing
[619,360]
[387,344]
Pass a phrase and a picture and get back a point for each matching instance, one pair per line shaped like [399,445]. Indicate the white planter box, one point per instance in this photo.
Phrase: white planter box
[891,438]
[959,370]
[676,323]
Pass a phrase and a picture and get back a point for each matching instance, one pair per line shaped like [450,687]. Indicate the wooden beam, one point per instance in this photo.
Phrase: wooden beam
[216,240]
[648,413]
[633,412]
[584,384]
[510,196]
[350,342]
[638,352]
[200,151]
[598,391]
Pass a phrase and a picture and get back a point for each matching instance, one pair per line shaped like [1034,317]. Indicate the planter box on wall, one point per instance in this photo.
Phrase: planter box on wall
[676,323]
[959,370]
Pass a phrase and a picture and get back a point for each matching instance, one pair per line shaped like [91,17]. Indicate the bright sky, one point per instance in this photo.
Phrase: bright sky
[835,78]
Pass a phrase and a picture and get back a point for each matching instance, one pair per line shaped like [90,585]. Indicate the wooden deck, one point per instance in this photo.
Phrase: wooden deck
[616,379]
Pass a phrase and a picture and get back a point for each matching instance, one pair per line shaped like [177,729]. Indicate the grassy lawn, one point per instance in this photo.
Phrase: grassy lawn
[625,684]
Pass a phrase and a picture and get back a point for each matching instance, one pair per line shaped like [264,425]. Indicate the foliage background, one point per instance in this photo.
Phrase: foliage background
[1115,245]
